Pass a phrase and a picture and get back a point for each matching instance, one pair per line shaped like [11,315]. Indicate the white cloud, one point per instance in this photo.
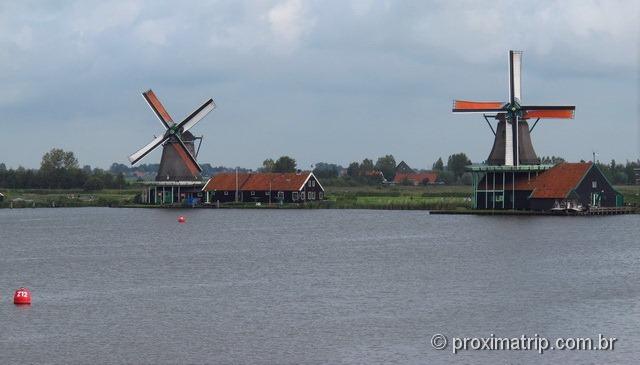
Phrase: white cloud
[289,22]
[324,63]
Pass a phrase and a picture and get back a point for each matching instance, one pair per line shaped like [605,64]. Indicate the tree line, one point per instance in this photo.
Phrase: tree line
[384,168]
[619,174]
[59,169]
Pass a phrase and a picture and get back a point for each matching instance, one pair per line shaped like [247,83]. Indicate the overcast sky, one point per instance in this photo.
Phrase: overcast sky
[332,81]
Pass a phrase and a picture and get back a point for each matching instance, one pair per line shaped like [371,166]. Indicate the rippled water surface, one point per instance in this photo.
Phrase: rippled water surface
[311,286]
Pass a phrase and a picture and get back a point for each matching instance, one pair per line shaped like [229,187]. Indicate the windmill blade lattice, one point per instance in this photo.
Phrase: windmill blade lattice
[173,134]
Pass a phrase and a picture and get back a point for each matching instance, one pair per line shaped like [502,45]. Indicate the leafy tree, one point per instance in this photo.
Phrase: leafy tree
[325,170]
[93,183]
[284,164]
[118,168]
[353,170]
[366,167]
[457,163]
[387,165]
[447,177]
[57,168]
[551,160]
[268,165]
[438,165]
[3,167]
[108,181]
[57,159]
[120,181]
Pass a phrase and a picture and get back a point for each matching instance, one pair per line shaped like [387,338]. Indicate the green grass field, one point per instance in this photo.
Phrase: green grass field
[21,198]
[400,197]
[631,194]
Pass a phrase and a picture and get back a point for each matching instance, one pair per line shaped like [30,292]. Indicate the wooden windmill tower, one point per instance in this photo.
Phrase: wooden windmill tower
[178,162]
[178,179]
[512,161]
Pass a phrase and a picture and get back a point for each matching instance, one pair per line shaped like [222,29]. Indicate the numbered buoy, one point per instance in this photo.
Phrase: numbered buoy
[22,296]
[182,219]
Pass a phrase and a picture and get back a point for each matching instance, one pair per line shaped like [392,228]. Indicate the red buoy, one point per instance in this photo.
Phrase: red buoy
[22,296]
[182,219]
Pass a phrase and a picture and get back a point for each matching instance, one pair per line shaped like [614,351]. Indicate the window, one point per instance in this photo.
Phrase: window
[313,183]
[312,195]
[309,183]
[594,184]
[281,195]
[294,196]
[226,193]
[267,193]
[321,195]
[302,195]
[253,193]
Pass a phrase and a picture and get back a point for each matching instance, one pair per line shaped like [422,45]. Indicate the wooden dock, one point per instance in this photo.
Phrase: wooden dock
[610,211]
[590,212]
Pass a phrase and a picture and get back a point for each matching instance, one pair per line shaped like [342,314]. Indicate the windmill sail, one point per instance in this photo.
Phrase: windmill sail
[178,162]
[512,145]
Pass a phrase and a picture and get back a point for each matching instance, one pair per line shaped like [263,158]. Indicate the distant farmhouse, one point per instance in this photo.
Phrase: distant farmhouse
[403,168]
[416,178]
[406,175]
[263,188]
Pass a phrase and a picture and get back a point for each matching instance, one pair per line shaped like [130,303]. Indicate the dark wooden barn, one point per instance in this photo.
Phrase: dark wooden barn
[563,186]
[263,188]
[573,183]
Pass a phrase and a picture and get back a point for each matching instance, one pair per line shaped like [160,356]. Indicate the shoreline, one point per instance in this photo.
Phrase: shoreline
[449,199]
[460,211]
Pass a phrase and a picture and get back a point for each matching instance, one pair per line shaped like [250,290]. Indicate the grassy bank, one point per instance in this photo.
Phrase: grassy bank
[27,198]
[400,197]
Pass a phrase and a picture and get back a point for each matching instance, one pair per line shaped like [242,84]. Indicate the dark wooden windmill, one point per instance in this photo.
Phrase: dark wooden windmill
[178,162]
[512,145]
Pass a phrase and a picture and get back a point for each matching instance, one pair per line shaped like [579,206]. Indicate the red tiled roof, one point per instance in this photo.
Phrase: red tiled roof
[258,181]
[284,182]
[417,177]
[226,181]
[558,181]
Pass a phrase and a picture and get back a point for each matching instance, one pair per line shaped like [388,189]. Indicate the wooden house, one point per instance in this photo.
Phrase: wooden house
[563,185]
[297,187]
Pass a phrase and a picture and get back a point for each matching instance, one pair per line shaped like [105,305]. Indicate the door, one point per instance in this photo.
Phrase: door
[167,199]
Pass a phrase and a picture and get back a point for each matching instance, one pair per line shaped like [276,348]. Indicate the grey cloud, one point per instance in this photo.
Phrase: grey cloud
[335,81]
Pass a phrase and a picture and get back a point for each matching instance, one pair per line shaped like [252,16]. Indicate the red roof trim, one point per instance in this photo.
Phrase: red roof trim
[260,181]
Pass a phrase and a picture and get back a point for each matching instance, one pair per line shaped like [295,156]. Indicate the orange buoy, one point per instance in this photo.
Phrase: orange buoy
[22,296]
[182,219]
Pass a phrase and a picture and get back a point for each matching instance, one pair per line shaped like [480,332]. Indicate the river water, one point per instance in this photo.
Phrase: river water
[312,286]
